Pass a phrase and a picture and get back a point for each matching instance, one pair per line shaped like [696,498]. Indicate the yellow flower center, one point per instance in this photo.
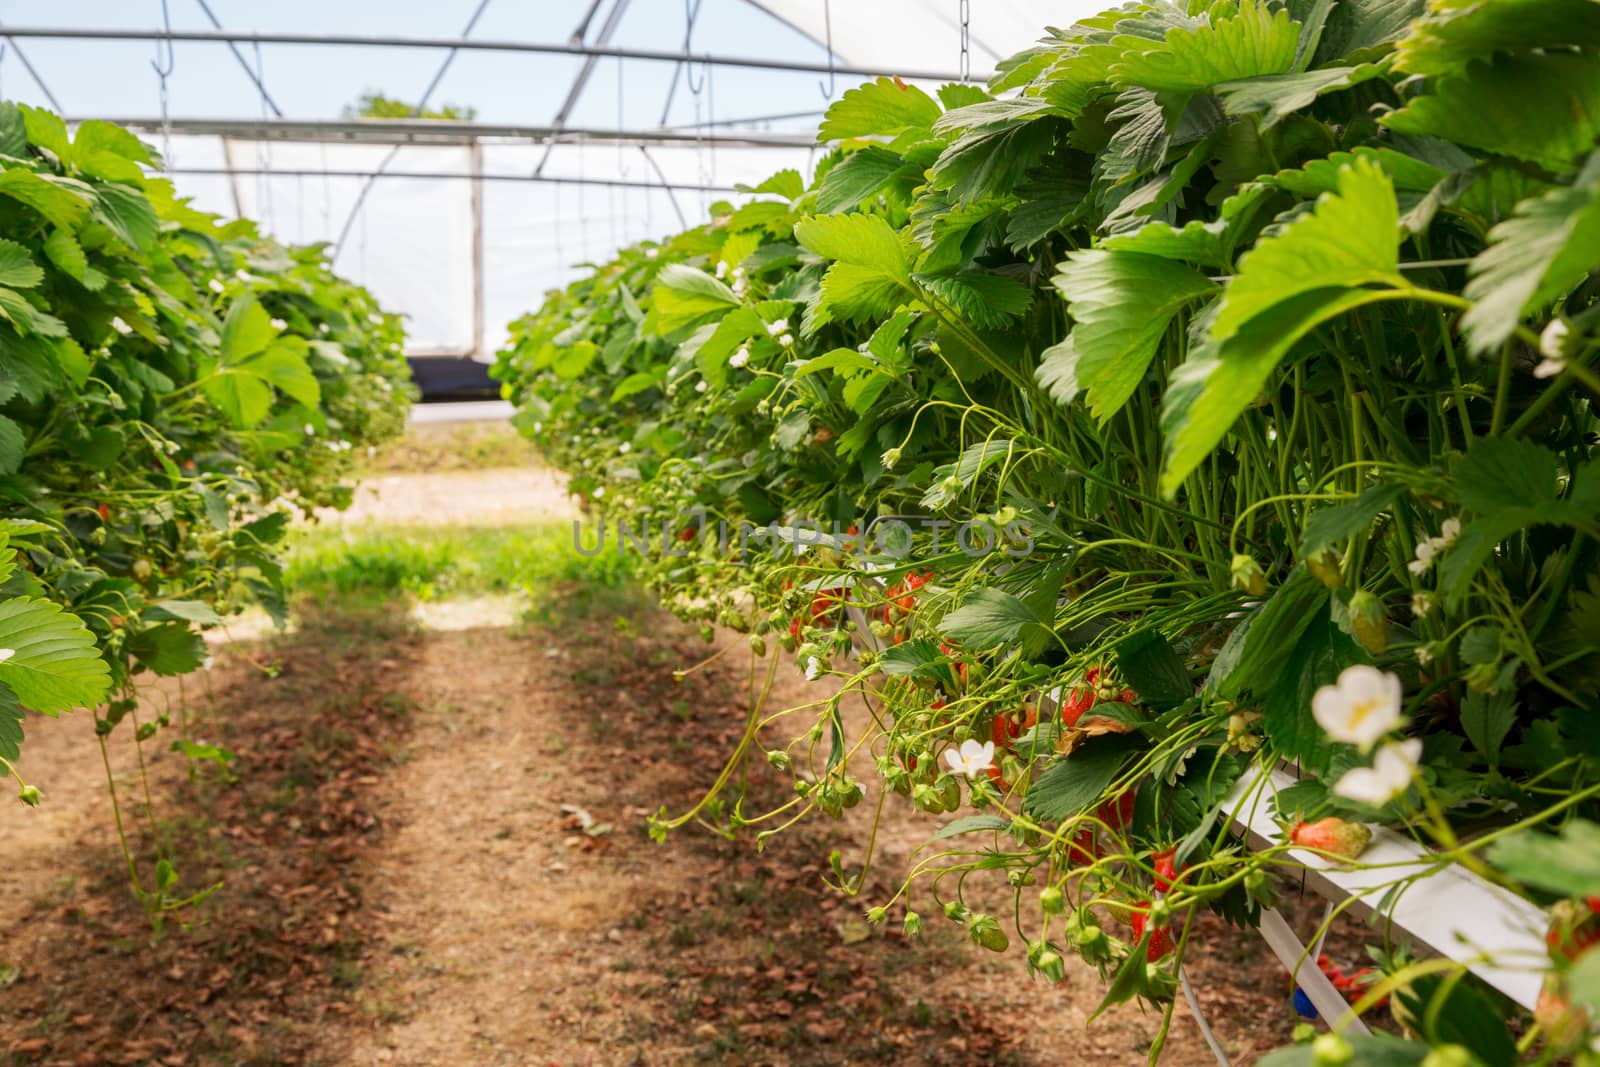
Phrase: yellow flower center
[1363,708]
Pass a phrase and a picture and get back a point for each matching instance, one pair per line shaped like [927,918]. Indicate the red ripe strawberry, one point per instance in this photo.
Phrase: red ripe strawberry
[1085,848]
[1593,904]
[794,627]
[1117,813]
[1345,839]
[993,771]
[1160,937]
[1165,863]
[1572,932]
[686,534]
[1359,983]
[105,512]
[1000,733]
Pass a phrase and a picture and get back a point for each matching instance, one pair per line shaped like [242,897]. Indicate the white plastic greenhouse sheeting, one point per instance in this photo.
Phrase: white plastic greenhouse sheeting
[924,34]
[412,242]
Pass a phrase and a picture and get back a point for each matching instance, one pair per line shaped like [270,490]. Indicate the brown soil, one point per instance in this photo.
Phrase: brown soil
[407,879]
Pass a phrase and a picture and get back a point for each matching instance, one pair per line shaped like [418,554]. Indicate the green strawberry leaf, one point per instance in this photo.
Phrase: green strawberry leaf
[53,664]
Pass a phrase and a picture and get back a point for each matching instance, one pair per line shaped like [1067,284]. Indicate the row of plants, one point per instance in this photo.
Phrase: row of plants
[173,389]
[1215,388]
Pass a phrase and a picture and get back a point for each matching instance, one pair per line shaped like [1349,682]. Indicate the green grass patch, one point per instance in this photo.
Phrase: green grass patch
[440,562]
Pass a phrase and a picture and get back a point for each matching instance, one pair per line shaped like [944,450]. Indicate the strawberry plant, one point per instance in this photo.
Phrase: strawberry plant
[172,389]
[1230,369]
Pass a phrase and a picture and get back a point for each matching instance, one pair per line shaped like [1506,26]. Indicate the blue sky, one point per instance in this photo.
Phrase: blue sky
[115,77]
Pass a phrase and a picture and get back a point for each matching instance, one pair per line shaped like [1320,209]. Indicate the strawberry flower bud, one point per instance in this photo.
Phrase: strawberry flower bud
[1368,620]
[1248,575]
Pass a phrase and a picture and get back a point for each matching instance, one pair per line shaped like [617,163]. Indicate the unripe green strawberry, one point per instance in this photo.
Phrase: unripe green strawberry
[778,758]
[1331,1050]
[1259,888]
[708,633]
[1368,620]
[912,924]
[950,792]
[985,930]
[1051,966]
[758,644]
[1050,900]
[1448,1056]
[955,911]
[1324,567]
[1344,839]
[1248,575]
[1092,944]
[30,795]
[927,798]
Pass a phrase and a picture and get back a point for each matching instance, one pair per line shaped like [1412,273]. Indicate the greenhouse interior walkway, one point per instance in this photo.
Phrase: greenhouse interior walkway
[434,854]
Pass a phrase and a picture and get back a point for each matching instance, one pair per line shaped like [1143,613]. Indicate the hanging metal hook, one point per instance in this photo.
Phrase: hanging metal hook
[688,64]
[164,69]
[827,25]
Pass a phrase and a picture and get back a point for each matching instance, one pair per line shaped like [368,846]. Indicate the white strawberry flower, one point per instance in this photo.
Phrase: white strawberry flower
[722,270]
[215,285]
[1552,345]
[625,447]
[1429,547]
[786,340]
[1360,708]
[813,669]
[971,759]
[739,358]
[775,328]
[700,386]
[120,326]
[310,430]
[279,324]
[1422,604]
[1389,776]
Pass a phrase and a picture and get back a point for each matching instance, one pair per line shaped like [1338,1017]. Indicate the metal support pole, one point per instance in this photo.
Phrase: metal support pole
[462,43]
[34,74]
[612,183]
[475,157]
[579,83]
[261,87]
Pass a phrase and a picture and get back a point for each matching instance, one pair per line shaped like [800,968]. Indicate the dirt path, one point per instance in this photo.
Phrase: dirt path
[481,498]
[433,854]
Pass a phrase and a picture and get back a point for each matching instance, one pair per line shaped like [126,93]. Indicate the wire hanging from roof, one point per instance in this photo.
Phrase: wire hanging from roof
[164,69]
[827,26]
[690,13]
[966,41]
